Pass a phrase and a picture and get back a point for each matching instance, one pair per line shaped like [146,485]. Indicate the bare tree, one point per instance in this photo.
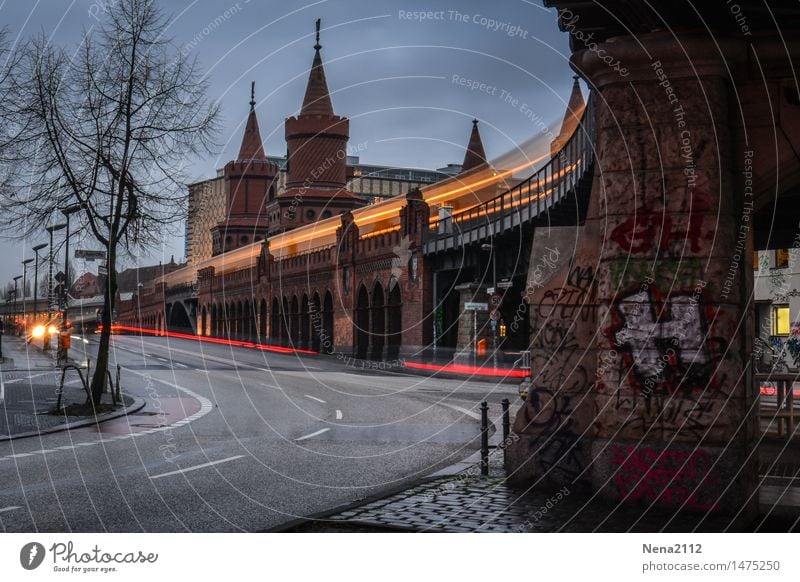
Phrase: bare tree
[107,129]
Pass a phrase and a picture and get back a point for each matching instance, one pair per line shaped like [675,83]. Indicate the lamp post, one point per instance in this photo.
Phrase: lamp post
[51,229]
[490,248]
[36,250]
[17,278]
[67,212]
[25,264]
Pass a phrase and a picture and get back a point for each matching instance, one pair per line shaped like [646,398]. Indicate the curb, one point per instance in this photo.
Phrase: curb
[135,406]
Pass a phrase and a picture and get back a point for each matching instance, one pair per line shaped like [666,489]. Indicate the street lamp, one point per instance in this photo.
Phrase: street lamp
[67,212]
[17,278]
[25,264]
[51,229]
[36,250]
[490,248]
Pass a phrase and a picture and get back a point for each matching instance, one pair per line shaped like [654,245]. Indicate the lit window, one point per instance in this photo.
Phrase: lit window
[781,258]
[780,320]
[755,260]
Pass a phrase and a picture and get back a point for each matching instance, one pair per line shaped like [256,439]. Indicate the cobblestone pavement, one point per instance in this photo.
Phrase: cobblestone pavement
[488,504]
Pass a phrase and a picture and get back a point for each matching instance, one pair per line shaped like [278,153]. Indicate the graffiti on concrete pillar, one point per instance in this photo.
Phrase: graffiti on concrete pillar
[665,344]
[669,477]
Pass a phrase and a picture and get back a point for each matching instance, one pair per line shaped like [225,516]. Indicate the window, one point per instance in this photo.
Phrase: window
[781,258]
[780,320]
[244,240]
[326,214]
[755,260]
[310,214]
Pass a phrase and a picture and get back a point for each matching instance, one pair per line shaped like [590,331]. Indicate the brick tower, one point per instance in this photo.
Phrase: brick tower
[250,183]
[316,142]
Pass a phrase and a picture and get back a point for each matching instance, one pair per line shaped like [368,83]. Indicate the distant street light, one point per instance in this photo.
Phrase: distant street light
[36,250]
[25,264]
[16,293]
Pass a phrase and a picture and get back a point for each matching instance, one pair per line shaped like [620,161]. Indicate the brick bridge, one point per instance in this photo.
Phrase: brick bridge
[637,296]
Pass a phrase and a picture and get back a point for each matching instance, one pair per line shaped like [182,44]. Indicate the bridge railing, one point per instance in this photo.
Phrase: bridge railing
[534,195]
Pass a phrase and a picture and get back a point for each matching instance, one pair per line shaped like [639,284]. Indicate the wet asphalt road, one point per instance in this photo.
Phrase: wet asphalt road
[236,439]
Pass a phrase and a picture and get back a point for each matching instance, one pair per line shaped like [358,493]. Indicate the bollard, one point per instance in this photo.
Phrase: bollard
[484,438]
[506,427]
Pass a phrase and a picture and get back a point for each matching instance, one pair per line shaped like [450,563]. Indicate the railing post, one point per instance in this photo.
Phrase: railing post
[506,426]
[484,438]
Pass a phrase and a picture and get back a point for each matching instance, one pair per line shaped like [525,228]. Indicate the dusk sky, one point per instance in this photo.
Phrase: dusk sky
[403,82]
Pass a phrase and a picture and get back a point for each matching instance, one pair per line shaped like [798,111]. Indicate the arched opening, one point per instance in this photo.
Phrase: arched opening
[178,319]
[294,322]
[203,322]
[240,319]
[275,322]
[394,321]
[362,323]
[214,319]
[327,338]
[247,330]
[305,323]
[378,320]
[317,326]
[285,338]
[262,322]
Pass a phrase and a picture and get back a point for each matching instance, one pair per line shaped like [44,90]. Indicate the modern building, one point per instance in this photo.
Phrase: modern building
[777,296]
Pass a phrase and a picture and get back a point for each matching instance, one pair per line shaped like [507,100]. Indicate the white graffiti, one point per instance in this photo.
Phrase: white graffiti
[654,343]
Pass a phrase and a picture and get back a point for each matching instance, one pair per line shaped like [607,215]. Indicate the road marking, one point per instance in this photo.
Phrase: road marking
[265,385]
[466,411]
[313,434]
[10,508]
[196,467]
[338,415]
[315,398]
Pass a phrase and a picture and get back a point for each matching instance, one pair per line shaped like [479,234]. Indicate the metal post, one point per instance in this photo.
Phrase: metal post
[484,438]
[25,264]
[506,427]
[36,250]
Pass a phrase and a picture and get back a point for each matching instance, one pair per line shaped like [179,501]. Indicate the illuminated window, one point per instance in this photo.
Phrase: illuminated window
[781,258]
[780,320]
[755,260]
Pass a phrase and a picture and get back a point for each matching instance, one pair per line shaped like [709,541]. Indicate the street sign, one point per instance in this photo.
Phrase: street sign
[496,300]
[505,284]
[102,270]
[60,277]
[495,316]
[89,255]
[472,306]
[490,290]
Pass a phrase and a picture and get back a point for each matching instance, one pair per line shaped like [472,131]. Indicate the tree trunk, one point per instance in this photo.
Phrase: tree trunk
[101,366]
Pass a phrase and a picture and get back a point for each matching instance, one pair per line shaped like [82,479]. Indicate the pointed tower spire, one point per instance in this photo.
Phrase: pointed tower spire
[475,156]
[317,100]
[252,147]
[572,117]
[575,105]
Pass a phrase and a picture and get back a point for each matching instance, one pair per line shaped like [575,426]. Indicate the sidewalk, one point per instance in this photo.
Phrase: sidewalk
[28,394]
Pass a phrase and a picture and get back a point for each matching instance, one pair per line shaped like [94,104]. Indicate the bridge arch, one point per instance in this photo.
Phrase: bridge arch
[394,320]
[377,321]
[178,318]
[262,322]
[362,322]
[327,340]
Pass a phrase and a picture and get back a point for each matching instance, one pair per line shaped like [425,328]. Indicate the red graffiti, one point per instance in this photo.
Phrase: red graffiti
[645,228]
[668,477]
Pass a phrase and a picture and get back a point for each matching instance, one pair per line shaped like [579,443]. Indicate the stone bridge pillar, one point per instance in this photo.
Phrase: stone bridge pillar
[671,420]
